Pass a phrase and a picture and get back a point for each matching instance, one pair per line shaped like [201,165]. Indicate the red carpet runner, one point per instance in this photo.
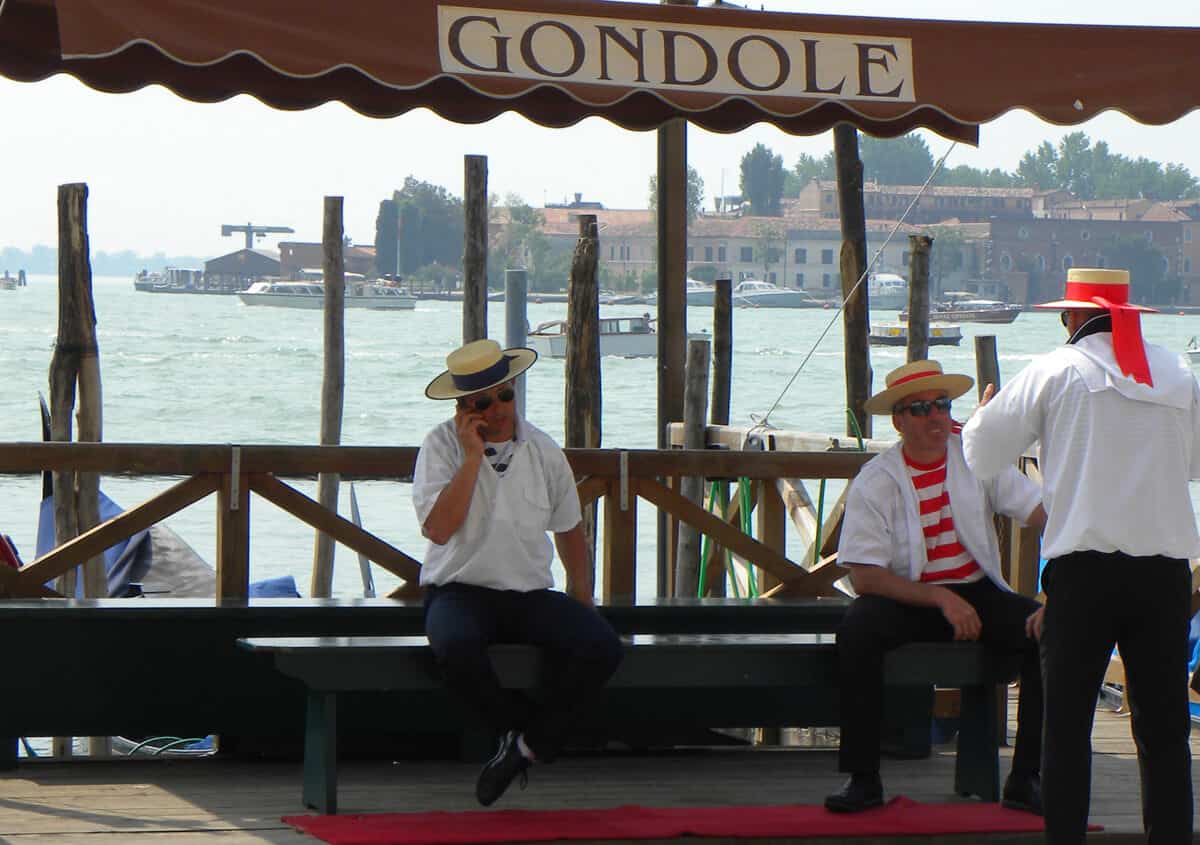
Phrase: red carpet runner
[899,817]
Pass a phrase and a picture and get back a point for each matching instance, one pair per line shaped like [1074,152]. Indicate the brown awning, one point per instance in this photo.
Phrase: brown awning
[559,61]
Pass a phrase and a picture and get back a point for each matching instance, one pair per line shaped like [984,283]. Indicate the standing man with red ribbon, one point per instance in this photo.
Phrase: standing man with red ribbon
[1118,420]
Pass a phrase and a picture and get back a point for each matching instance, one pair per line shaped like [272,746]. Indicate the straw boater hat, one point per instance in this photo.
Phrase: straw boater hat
[1108,290]
[477,366]
[1087,288]
[915,377]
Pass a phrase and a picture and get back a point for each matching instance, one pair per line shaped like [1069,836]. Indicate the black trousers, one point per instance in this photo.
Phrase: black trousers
[580,648]
[1095,600]
[874,625]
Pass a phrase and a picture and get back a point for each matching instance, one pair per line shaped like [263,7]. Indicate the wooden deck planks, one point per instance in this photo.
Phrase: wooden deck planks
[221,802]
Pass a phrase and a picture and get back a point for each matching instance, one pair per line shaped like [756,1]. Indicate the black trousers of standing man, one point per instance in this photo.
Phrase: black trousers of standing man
[579,647]
[1095,600]
[875,625]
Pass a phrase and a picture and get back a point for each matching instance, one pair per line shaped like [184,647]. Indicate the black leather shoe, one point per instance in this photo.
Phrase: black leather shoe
[1023,792]
[500,771]
[862,791]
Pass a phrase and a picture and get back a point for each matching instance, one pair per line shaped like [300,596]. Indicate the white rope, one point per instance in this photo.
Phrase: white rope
[764,422]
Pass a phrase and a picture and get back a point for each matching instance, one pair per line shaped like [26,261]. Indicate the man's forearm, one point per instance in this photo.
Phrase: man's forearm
[878,581]
[453,503]
[572,551]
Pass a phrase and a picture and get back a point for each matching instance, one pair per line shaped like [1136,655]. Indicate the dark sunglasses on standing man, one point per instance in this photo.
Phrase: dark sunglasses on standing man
[922,407]
[482,403]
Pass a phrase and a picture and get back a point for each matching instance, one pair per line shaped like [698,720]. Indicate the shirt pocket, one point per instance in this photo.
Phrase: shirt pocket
[532,505]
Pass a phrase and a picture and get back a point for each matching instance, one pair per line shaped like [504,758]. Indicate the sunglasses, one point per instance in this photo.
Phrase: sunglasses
[482,403]
[922,407]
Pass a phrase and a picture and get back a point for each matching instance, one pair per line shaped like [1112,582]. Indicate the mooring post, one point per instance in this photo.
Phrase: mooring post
[333,384]
[691,487]
[583,398]
[516,322]
[856,317]
[918,296]
[475,210]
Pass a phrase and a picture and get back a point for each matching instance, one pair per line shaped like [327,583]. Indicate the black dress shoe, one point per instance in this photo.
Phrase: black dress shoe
[1023,792]
[500,771]
[862,791]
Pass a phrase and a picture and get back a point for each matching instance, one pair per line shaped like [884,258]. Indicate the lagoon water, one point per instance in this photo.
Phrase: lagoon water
[208,369]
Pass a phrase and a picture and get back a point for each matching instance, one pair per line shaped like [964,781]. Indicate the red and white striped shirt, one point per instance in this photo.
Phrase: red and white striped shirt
[949,562]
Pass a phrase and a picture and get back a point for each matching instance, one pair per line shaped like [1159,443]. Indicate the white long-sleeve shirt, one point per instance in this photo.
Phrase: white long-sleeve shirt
[1115,455]
[882,522]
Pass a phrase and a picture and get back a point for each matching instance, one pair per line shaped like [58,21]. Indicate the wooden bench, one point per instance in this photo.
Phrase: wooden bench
[789,676]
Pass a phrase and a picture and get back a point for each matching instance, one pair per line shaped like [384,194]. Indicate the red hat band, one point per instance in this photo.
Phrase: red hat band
[1085,291]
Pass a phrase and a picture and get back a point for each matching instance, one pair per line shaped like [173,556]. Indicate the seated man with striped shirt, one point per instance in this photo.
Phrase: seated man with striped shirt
[919,541]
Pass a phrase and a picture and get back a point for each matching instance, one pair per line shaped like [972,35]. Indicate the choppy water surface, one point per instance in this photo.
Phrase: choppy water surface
[207,369]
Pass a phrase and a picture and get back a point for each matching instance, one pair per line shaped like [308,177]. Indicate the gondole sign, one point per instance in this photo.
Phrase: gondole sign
[638,53]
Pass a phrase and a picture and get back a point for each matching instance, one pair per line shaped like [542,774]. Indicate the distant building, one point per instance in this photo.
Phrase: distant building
[238,270]
[889,202]
[297,256]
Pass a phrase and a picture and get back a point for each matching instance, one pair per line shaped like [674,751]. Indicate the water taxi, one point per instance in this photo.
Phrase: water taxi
[312,295]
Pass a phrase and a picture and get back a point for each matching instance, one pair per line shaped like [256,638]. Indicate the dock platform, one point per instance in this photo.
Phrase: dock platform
[231,802]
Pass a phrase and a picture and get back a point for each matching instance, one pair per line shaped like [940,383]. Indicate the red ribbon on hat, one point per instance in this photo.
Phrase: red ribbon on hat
[1127,339]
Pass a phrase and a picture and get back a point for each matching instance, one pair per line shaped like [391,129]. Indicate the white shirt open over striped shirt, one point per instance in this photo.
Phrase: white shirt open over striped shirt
[949,561]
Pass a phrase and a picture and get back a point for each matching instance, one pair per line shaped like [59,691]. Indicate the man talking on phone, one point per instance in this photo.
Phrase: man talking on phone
[487,488]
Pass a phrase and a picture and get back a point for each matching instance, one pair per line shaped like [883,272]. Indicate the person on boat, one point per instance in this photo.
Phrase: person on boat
[919,542]
[1118,420]
[487,488]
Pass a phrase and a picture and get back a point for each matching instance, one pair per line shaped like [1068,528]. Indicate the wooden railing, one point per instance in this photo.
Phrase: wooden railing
[619,477]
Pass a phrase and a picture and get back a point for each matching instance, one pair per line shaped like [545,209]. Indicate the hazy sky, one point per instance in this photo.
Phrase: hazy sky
[165,173]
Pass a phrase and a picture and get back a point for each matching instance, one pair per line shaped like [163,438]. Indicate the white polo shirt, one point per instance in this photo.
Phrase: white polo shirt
[502,543]
[1115,455]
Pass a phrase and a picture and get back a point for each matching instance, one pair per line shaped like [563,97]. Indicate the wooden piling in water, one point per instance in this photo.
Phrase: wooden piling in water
[516,323]
[691,487]
[722,351]
[918,296]
[987,363]
[582,417]
[856,315]
[76,364]
[475,240]
[333,384]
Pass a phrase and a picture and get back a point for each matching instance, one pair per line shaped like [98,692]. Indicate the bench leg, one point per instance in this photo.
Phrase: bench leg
[320,752]
[977,765]
[9,752]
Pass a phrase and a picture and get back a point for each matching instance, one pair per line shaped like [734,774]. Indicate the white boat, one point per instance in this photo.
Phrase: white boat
[698,292]
[312,295]
[1193,351]
[753,293]
[624,337]
[896,334]
[887,292]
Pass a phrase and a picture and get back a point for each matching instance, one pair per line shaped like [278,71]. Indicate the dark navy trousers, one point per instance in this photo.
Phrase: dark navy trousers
[1095,600]
[580,648]
[875,625]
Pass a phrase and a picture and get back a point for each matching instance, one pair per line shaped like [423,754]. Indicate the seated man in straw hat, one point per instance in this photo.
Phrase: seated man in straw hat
[1118,423]
[920,545]
[487,488]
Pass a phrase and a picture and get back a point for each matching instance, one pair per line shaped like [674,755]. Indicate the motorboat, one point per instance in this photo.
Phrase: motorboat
[896,334]
[370,295]
[752,293]
[624,337]
[1193,351]
[887,292]
[698,292]
[963,307]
